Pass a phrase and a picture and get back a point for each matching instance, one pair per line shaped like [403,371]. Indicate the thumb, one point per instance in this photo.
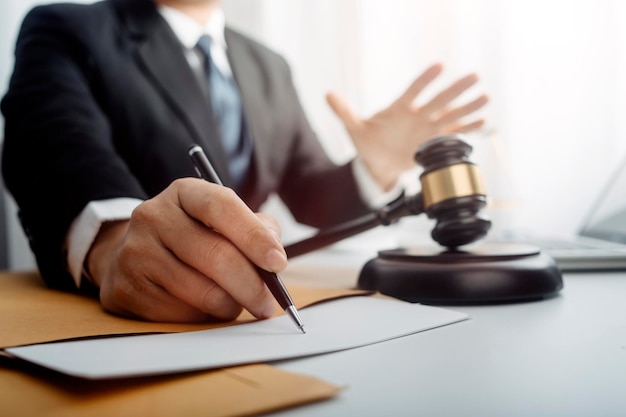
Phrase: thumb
[343,110]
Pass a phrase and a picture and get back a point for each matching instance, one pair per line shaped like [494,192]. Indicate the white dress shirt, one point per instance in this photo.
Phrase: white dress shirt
[86,226]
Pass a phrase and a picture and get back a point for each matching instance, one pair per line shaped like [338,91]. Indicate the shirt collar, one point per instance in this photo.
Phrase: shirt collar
[188,31]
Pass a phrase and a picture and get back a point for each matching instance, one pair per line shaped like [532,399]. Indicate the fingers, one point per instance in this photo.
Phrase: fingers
[445,97]
[149,282]
[130,289]
[271,223]
[198,290]
[341,108]
[143,299]
[210,272]
[218,235]
[411,93]
[469,127]
[454,115]
[221,209]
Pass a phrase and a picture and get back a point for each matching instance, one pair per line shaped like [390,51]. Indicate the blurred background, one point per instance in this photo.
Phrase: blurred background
[555,72]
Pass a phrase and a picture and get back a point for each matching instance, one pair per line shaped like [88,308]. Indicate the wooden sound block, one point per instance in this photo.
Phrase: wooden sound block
[488,273]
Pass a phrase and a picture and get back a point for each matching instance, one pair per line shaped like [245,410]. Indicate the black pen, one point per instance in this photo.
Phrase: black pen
[206,171]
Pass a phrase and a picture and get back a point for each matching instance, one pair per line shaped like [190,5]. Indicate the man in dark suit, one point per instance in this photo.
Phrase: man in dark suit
[105,101]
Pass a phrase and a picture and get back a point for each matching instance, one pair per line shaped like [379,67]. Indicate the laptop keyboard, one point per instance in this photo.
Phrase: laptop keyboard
[563,245]
[576,248]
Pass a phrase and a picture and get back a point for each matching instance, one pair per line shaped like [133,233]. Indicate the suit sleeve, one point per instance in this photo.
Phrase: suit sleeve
[58,154]
[318,192]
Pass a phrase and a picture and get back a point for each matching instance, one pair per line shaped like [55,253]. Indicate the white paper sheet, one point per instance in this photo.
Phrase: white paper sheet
[331,326]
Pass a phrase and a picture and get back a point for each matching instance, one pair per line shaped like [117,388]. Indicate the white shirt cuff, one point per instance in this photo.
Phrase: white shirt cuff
[86,226]
[373,195]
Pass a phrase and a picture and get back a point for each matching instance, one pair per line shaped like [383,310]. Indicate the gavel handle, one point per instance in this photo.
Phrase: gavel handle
[401,207]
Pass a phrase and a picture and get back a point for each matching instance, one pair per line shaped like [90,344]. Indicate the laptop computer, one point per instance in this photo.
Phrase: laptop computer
[600,243]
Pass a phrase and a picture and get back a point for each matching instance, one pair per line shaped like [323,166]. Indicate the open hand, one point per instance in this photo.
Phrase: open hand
[387,141]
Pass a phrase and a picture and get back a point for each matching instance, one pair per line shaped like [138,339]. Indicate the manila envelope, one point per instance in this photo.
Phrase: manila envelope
[27,391]
[32,313]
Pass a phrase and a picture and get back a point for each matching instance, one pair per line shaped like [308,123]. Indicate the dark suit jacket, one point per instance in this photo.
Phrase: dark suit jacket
[103,104]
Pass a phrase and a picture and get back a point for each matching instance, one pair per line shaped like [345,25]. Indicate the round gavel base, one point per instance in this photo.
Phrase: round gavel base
[488,274]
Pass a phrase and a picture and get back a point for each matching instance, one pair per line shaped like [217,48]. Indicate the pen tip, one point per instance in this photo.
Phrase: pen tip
[302,330]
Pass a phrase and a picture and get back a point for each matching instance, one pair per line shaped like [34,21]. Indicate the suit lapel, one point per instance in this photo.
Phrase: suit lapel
[161,57]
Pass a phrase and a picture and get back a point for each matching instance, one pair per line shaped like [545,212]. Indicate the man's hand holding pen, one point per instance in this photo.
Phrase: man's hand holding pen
[188,255]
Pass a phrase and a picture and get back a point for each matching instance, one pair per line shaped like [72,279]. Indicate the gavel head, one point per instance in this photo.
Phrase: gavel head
[452,191]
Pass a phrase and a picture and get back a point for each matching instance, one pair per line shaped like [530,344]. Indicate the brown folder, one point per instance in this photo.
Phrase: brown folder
[32,313]
[238,391]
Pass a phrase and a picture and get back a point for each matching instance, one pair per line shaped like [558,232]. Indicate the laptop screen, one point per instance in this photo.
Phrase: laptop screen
[607,220]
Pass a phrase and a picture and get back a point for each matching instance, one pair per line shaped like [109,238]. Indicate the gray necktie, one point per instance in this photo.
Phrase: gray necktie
[228,113]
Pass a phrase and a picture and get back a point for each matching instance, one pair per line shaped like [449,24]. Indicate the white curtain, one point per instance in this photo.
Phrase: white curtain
[555,71]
